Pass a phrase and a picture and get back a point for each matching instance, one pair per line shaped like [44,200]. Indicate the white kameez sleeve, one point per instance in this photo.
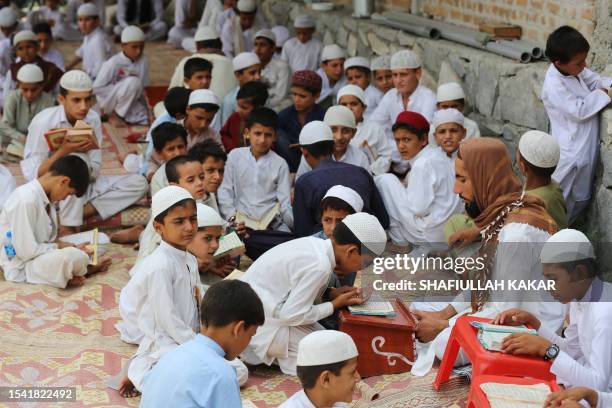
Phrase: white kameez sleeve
[595,80]
[145,72]
[299,309]
[158,7]
[95,156]
[227,38]
[36,150]
[420,191]
[577,108]
[384,150]
[280,89]
[283,194]
[226,194]
[604,399]
[105,76]
[24,240]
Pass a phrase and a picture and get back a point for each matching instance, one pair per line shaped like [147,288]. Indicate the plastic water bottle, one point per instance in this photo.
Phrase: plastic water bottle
[9,249]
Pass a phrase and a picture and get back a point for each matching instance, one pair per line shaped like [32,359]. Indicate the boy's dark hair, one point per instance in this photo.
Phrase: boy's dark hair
[461,101]
[214,44]
[42,28]
[421,133]
[208,107]
[365,70]
[564,43]
[344,236]
[161,216]
[167,132]
[194,65]
[208,148]
[255,92]
[172,167]
[75,169]
[308,89]
[335,204]
[272,43]
[229,301]
[309,375]
[320,149]
[538,171]
[263,116]
[176,101]
[588,263]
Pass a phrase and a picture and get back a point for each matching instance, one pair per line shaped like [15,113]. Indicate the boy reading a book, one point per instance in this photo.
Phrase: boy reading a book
[201,110]
[169,141]
[28,224]
[256,180]
[106,195]
[327,369]
[119,85]
[231,312]
[572,398]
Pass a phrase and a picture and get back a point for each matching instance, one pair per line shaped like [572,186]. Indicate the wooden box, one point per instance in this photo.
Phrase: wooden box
[501,30]
[386,345]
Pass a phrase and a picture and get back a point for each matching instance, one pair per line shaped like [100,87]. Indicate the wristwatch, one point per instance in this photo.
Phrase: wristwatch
[551,352]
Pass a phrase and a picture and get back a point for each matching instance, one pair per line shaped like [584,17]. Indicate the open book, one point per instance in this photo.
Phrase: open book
[491,336]
[515,395]
[15,148]
[373,308]
[92,241]
[261,224]
[80,132]
[236,274]
[231,245]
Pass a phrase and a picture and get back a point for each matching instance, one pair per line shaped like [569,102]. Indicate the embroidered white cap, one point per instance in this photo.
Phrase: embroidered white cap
[304,21]
[201,96]
[332,51]
[356,62]
[266,33]
[315,132]
[443,116]
[325,347]
[382,62]
[205,33]
[132,34]
[368,231]
[567,245]
[282,35]
[352,90]
[339,115]
[246,6]
[166,198]
[245,60]
[450,91]
[76,81]
[405,59]
[208,217]
[25,35]
[540,149]
[87,10]
[30,73]
[8,17]
[347,195]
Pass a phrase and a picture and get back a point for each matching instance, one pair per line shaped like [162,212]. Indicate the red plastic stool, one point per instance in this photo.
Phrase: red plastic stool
[478,398]
[484,361]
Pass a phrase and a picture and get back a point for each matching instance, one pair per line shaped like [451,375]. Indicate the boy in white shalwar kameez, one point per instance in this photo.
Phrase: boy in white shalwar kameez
[371,137]
[289,277]
[247,67]
[72,18]
[51,14]
[573,96]
[185,21]
[274,72]
[237,33]
[451,96]
[33,254]
[357,72]
[119,85]
[331,72]
[342,123]
[106,195]
[202,108]
[303,52]
[8,25]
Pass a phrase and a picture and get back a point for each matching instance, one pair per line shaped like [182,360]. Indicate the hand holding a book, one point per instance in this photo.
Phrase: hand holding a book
[570,398]
[71,146]
[525,344]
[345,298]
[429,324]
[223,266]
[517,317]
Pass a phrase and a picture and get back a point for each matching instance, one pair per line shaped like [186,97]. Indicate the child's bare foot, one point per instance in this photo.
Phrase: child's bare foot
[76,281]
[127,389]
[128,235]
[102,266]
[117,120]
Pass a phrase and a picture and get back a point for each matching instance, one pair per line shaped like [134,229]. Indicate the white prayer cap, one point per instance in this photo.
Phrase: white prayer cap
[325,347]
[266,33]
[166,198]
[282,35]
[245,60]
[132,34]
[246,6]
[443,116]
[30,73]
[314,132]
[353,90]
[347,195]
[567,245]
[382,62]
[76,81]
[332,51]
[339,115]
[200,96]
[208,217]
[540,149]
[304,21]
[450,91]
[205,34]
[87,10]
[356,62]
[25,35]
[8,17]
[405,59]
[368,231]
